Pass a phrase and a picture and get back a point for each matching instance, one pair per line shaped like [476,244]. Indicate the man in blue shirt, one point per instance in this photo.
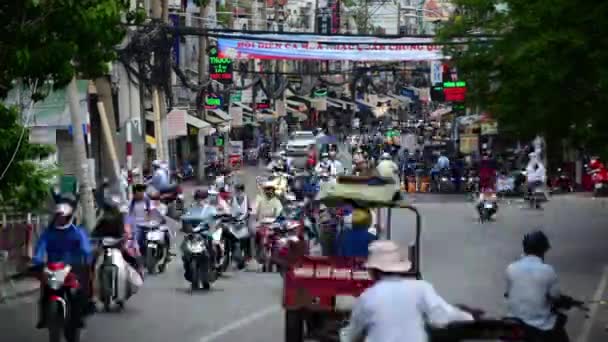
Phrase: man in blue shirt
[355,242]
[532,288]
[63,241]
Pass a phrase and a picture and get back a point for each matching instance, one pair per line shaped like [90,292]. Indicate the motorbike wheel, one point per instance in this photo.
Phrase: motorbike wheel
[194,276]
[151,262]
[227,256]
[72,334]
[56,321]
[107,286]
[294,326]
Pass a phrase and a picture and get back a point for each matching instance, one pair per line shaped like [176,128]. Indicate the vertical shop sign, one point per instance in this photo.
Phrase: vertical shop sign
[220,68]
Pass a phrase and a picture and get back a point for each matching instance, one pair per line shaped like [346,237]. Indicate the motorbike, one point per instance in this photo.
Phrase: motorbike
[185,172]
[113,277]
[60,283]
[213,169]
[155,249]
[198,257]
[265,240]
[288,236]
[487,206]
[234,234]
[599,177]
[561,182]
[444,182]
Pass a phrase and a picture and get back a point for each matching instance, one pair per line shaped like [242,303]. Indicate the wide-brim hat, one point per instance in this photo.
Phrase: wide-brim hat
[386,256]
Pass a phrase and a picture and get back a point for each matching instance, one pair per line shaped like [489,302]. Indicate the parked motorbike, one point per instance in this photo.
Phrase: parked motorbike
[185,172]
[155,248]
[198,256]
[561,182]
[60,284]
[599,177]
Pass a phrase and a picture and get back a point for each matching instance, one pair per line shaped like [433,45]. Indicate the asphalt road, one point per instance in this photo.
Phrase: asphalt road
[462,258]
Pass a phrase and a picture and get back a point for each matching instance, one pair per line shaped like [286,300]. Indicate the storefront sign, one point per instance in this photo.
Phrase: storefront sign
[235,148]
[321,92]
[236,96]
[264,104]
[213,101]
[335,47]
[220,68]
[489,128]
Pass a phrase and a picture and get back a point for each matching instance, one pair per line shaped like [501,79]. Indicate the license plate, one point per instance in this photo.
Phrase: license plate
[488,206]
[196,248]
[598,185]
[155,236]
[152,245]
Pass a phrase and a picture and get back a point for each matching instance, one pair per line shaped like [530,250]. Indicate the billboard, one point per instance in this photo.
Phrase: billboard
[336,47]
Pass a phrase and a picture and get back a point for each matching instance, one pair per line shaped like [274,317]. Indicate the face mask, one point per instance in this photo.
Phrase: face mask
[66,225]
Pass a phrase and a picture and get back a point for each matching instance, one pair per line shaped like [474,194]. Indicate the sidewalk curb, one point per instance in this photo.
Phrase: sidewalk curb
[27,292]
[19,295]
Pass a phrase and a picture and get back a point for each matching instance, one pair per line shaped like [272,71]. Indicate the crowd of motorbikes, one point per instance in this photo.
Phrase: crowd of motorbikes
[216,238]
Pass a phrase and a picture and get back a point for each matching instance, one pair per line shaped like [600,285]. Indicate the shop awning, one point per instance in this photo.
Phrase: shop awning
[334,104]
[438,113]
[403,99]
[297,105]
[196,122]
[245,107]
[220,114]
[297,114]
[214,120]
[341,103]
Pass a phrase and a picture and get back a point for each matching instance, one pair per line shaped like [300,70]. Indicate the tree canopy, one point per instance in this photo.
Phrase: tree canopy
[48,41]
[544,71]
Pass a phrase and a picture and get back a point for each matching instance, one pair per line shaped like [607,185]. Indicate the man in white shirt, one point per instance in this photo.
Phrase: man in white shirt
[396,308]
[335,166]
[532,287]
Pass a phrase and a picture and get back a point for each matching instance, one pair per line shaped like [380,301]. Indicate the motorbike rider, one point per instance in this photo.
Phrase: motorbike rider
[535,174]
[160,177]
[214,199]
[395,308]
[533,288]
[153,212]
[267,205]
[335,166]
[354,242]
[114,224]
[324,164]
[240,210]
[387,168]
[63,241]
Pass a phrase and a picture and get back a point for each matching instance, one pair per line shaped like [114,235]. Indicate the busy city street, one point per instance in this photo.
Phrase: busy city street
[463,259]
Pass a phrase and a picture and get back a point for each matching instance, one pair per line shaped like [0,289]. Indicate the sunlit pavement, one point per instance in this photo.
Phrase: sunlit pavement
[464,259]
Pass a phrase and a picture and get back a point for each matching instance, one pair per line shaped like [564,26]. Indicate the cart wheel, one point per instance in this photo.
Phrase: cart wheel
[294,326]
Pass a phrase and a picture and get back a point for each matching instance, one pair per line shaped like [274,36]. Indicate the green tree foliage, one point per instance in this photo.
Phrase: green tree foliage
[48,41]
[546,70]
[25,182]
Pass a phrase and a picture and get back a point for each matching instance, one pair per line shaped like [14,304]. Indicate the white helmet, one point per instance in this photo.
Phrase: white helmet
[156,163]
[385,155]
[212,191]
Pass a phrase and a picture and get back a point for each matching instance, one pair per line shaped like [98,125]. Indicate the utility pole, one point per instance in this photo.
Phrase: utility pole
[82,170]
[202,79]
[157,94]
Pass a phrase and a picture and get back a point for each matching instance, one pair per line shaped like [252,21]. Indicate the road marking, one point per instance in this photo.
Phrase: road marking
[601,287]
[240,323]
